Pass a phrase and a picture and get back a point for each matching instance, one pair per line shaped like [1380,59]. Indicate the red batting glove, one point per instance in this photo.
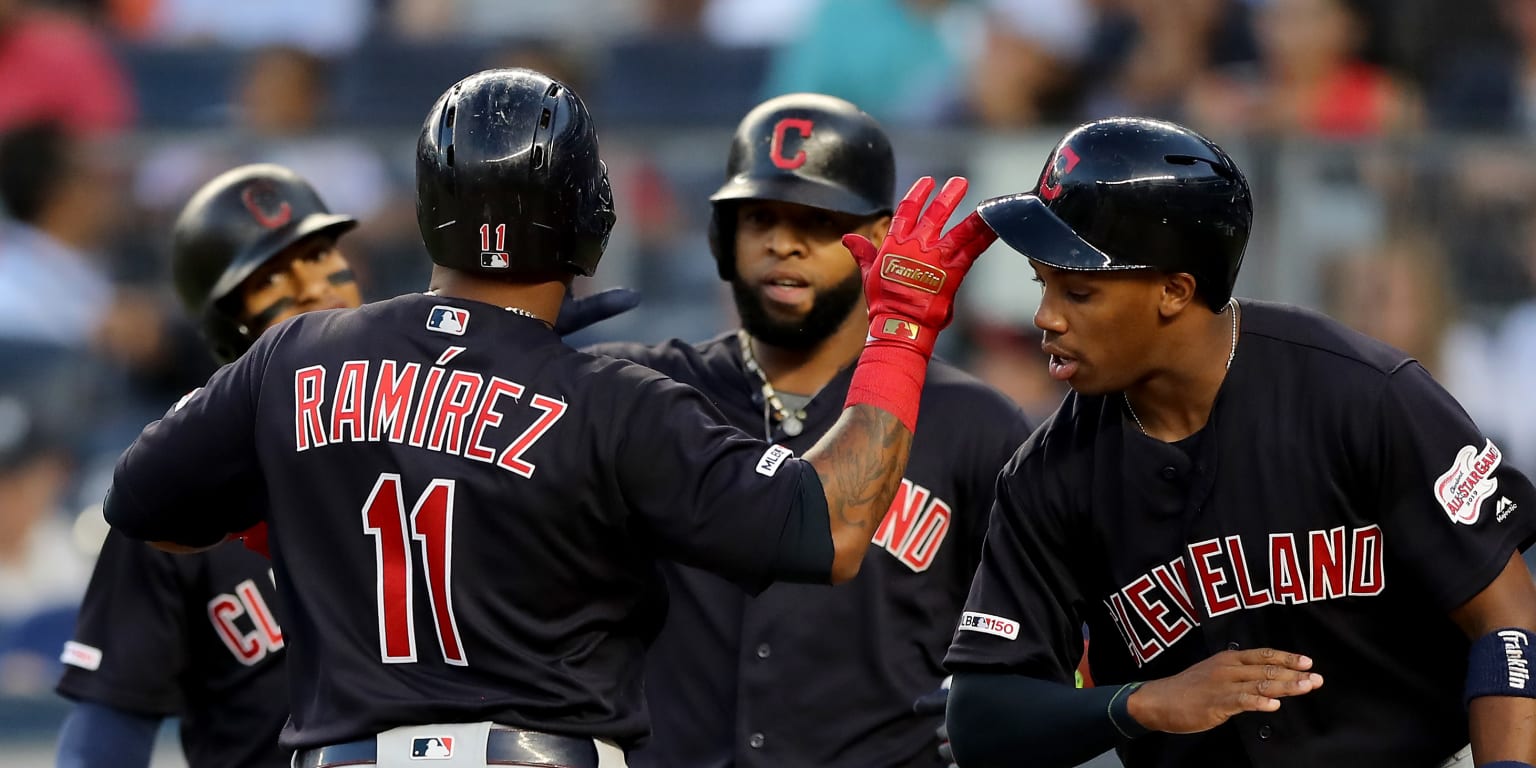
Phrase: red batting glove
[910,282]
[255,539]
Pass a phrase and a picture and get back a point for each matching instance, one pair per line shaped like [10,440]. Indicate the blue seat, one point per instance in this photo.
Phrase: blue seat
[392,85]
[667,81]
[181,87]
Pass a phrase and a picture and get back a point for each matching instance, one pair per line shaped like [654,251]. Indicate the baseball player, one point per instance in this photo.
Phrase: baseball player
[197,637]
[740,680]
[1290,545]
[465,514]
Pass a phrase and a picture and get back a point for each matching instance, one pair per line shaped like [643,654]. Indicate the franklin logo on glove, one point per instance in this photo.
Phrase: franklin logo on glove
[913,274]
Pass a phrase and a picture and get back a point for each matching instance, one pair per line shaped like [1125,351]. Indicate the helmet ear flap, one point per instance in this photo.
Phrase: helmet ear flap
[227,338]
[722,240]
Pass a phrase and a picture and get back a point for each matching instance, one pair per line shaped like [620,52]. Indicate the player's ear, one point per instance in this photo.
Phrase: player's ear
[876,229]
[1178,293]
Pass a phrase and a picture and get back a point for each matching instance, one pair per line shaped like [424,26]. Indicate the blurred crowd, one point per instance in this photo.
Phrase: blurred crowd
[1387,141]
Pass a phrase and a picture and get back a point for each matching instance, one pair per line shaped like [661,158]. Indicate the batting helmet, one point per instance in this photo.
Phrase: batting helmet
[231,226]
[510,155]
[1129,193]
[803,148]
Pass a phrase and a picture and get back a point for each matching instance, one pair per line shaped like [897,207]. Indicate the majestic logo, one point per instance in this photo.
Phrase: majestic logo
[448,320]
[432,748]
[912,273]
[266,204]
[769,464]
[776,149]
[1008,629]
[1061,165]
[1469,481]
[1504,508]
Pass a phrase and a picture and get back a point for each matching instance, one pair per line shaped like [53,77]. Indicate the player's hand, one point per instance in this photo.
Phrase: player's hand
[1231,682]
[578,314]
[933,703]
[910,281]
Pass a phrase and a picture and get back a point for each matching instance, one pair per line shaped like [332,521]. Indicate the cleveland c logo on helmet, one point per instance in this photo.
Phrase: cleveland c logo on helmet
[264,202]
[1061,165]
[776,150]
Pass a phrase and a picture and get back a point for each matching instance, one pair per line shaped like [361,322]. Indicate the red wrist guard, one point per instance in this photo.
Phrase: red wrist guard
[890,377]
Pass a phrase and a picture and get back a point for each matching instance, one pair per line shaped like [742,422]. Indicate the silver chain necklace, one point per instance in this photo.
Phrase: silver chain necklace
[792,423]
[1232,305]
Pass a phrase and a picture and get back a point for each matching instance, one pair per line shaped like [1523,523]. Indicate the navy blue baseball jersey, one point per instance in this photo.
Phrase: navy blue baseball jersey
[464,512]
[195,637]
[1338,504]
[808,676]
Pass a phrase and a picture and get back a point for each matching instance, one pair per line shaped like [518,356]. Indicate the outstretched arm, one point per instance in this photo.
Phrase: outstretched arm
[909,285]
[1501,621]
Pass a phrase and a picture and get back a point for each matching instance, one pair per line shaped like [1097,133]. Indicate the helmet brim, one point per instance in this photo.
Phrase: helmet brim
[247,263]
[1025,224]
[799,190]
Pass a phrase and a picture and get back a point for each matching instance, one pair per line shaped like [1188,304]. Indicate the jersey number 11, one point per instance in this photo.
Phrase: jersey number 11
[431,523]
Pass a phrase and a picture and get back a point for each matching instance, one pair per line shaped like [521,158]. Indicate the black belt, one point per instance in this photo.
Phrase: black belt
[506,746]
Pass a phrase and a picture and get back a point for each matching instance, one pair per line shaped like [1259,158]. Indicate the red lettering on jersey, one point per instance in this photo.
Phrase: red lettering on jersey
[265,636]
[1210,577]
[1328,553]
[256,606]
[1155,612]
[308,394]
[350,403]
[925,541]
[424,406]
[776,148]
[453,411]
[1142,652]
[1285,577]
[1250,597]
[1367,576]
[391,400]
[512,458]
[1174,578]
[489,418]
[901,518]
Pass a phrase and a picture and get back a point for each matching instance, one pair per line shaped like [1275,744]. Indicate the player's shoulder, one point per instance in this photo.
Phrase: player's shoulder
[1065,440]
[696,364]
[1303,335]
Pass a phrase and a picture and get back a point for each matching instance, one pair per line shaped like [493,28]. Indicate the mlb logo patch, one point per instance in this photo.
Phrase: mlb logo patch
[493,260]
[432,748]
[448,320]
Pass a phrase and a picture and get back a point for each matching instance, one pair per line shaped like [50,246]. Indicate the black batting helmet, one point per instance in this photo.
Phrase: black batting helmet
[804,148]
[1130,193]
[508,179]
[231,226]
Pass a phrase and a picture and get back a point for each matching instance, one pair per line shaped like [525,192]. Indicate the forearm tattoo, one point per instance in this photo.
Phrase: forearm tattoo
[860,461]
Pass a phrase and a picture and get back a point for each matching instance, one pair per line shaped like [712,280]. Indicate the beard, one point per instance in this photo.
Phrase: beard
[828,312]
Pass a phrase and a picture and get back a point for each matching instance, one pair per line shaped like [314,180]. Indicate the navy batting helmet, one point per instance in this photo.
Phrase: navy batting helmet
[803,148]
[231,226]
[508,179]
[1130,193]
